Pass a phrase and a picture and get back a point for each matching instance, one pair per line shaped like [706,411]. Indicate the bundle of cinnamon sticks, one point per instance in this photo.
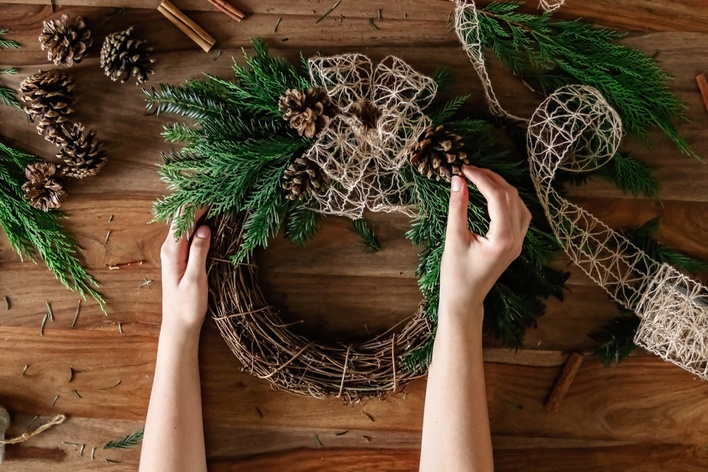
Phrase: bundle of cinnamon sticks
[188,27]
[227,8]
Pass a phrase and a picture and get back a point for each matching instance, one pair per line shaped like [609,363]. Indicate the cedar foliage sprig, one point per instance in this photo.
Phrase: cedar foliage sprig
[31,231]
[361,228]
[550,54]
[127,442]
[8,96]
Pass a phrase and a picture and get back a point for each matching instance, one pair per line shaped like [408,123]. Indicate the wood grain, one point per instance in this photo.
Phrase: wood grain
[641,415]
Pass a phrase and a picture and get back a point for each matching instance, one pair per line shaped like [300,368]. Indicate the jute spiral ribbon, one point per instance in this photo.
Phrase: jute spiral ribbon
[576,130]
[364,161]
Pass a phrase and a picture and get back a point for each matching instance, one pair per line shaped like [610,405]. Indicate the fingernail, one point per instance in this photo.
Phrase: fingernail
[202,232]
[456,183]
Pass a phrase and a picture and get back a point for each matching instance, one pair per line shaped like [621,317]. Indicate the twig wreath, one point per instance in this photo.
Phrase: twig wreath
[282,146]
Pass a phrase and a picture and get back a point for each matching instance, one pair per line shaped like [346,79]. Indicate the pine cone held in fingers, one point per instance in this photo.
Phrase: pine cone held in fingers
[44,188]
[302,177]
[48,101]
[438,153]
[66,41]
[81,152]
[308,112]
[123,57]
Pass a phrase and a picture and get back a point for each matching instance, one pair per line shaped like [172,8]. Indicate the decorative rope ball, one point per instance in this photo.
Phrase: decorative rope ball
[261,340]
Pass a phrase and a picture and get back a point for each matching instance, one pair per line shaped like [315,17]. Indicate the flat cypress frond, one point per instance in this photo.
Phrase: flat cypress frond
[33,232]
[551,54]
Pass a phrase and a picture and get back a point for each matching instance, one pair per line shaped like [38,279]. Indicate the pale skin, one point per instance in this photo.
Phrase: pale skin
[456,435]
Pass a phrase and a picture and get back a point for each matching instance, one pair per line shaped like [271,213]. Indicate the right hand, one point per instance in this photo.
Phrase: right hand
[471,263]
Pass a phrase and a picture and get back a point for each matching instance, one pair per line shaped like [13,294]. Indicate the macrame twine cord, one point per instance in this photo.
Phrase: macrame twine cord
[576,130]
[26,436]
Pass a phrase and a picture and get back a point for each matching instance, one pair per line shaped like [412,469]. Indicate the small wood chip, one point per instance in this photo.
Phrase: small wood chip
[50,312]
[44,321]
[112,386]
[32,421]
[76,317]
[108,235]
[24,370]
[54,402]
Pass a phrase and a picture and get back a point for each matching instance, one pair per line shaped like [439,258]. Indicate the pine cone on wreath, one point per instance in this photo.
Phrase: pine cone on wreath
[65,41]
[48,101]
[44,187]
[81,153]
[123,57]
[308,112]
[438,152]
[302,177]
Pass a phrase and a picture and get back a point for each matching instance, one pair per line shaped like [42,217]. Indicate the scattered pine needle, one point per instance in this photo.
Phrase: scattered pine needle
[218,54]
[373,25]
[275,30]
[108,235]
[318,443]
[341,434]
[93,452]
[44,321]
[366,438]
[32,421]
[259,412]
[54,402]
[368,416]
[147,282]
[120,328]
[110,218]
[378,14]
[81,451]
[24,370]
[111,461]
[76,394]
[7,303]
[49,310]
[326,14]
[76,317]
[112,386]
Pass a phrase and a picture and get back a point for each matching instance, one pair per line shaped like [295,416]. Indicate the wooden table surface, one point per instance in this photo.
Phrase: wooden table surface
[642,415]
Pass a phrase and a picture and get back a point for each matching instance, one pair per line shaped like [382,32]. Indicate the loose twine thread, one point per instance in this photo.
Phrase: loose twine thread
[24,437]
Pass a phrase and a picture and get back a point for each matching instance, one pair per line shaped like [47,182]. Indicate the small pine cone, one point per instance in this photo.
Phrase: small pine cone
[302,177]
[438,152]
[65,41]
[81,153]
[367,113]
[123,57]
[48,101]
[308,112]
[44,188]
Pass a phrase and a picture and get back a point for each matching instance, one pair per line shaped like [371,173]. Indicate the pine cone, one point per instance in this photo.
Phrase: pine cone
[308,112]
[81,152]
[48,101]
[44,188]
[65,41]
[302,177]
[367,112]
[123,57]
[438,152]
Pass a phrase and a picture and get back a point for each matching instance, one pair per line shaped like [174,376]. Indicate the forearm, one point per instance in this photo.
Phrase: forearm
[456,434]
[174,434]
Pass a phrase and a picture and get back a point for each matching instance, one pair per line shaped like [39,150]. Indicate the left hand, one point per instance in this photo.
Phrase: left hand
[185,291]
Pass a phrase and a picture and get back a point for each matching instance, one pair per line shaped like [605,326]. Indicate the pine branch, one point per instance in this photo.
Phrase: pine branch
[616,339]
[302,225]
[8,97]
[551,54]
[127,442]
[366,234]
[7,43]
[9,71]
[447,110]
[33,232]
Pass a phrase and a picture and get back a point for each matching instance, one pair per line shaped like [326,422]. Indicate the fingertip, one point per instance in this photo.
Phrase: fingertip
[457,183]
[203,232]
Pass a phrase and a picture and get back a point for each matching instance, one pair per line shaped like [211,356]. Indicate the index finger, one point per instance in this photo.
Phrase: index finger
[175,251]
[495,194]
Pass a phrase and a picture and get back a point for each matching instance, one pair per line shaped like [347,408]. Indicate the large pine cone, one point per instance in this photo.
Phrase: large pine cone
[308,112]
[65,41]
[438,152]
[123,57]
[48,101]
[302,177]
[81,152]
[44,188]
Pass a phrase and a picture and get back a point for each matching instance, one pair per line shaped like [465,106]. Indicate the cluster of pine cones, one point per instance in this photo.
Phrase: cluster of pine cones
[48,100]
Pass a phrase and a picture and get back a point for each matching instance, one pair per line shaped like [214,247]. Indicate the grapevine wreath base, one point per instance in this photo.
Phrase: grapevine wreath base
[260,339]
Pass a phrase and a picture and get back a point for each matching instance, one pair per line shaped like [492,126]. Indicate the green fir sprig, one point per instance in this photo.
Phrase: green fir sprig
[127,442]
[8,96]
[361,228]
[7,43]
[33,232]
[551,54]
[616,339]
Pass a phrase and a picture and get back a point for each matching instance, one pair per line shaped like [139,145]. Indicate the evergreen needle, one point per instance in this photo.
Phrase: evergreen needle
[326,14]
[44,321]
[372,24]
[275,30]
[76,316]
[7,303]
[31,422]
[127,442]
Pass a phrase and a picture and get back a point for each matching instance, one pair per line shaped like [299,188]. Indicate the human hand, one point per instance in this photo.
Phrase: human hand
[471,263]
[184,280]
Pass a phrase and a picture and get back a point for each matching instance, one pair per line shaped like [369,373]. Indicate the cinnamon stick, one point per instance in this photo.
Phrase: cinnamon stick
[187,26]
[229,9]
[703,85]
[563,383]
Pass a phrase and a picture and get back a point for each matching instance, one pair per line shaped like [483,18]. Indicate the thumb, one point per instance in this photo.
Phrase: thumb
[457,216]
[196,265]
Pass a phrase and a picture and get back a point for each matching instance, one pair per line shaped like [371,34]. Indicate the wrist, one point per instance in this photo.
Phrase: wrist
[180,331]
